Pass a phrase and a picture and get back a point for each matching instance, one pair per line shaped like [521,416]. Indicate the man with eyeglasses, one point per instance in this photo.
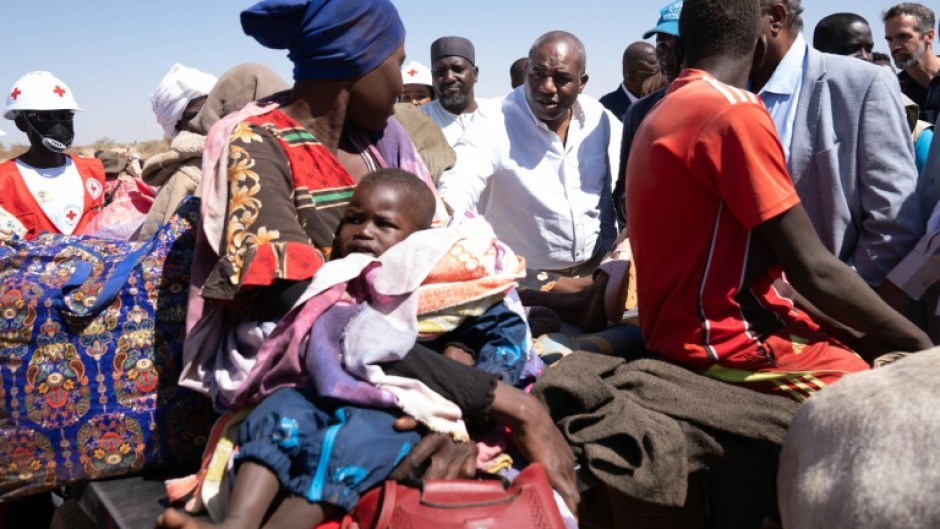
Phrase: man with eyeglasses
[45,188]
[639,64]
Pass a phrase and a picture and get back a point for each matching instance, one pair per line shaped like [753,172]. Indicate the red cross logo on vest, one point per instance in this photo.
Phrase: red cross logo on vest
[72,214]
[16,93]
[59,90]
[412,72]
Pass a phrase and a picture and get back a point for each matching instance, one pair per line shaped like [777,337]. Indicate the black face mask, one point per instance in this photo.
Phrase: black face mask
[55,135]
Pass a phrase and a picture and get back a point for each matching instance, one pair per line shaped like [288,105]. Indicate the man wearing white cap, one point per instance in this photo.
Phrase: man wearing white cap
[46,189]
[178,98]
[416,84]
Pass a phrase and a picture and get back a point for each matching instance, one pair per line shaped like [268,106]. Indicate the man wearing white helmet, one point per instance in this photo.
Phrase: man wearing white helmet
[46,189]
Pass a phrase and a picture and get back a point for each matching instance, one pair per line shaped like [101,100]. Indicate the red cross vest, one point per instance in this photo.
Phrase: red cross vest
[20,202]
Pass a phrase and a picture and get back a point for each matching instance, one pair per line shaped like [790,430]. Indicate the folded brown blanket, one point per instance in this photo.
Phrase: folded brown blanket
[643,426]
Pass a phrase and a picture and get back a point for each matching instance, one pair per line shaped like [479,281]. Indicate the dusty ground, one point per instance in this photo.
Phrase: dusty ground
[144,148]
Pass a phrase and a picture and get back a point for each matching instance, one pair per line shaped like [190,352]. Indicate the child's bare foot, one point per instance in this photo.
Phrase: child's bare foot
[176,519]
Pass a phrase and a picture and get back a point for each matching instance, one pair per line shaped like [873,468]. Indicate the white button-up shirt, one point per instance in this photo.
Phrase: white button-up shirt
[453,125]
[782,91]
[551,203]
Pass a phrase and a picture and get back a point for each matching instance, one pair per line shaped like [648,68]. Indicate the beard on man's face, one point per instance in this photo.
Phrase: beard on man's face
[909,61]
[455,103]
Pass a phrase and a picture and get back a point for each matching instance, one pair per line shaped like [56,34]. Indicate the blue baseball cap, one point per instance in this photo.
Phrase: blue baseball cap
[668,20]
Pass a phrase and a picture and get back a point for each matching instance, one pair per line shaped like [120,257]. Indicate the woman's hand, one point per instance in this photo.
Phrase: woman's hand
[437,456]
[538,439]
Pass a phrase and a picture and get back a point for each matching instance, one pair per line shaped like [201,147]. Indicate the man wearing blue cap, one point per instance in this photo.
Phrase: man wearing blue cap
[669,59]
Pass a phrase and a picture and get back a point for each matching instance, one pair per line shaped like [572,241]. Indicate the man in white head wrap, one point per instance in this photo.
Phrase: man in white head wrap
[181,93]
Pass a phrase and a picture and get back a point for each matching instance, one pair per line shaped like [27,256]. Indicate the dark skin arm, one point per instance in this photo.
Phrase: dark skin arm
[866,346]
[833,287]
[536,436]
[894,296]
[533,432]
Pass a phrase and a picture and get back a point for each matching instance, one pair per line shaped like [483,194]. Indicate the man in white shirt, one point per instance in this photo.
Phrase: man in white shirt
[454,74]
[545,157]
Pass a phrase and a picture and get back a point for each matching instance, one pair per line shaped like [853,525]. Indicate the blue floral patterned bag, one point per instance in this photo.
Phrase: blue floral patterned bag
[91,336]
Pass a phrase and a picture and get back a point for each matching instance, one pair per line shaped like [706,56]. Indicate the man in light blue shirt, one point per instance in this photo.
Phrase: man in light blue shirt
[781,93]
[845,135]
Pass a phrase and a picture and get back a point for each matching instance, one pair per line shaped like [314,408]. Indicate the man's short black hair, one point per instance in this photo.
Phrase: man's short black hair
[718,27]
[421,201]
[833,31]
[877,57]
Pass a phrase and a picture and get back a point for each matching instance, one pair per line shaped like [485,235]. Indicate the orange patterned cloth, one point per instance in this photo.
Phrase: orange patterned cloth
[475,274]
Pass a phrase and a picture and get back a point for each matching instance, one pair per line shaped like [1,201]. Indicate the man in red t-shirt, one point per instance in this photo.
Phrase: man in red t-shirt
[715,222]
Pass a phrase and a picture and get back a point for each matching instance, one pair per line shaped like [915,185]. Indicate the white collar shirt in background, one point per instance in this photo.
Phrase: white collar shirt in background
[453,125]
[781,94]
[630,96]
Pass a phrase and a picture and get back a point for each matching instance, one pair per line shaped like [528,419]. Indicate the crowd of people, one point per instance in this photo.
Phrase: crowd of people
[379,249]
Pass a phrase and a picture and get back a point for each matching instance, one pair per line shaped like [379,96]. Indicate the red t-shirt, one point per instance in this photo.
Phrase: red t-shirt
[706,168]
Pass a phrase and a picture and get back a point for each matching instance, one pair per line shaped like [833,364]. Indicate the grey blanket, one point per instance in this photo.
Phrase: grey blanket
[643,426]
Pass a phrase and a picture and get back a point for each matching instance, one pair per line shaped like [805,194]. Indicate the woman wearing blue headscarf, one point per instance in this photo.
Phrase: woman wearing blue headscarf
[277,178]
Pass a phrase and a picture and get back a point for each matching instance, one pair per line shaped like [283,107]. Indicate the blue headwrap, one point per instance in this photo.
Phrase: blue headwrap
[327,39]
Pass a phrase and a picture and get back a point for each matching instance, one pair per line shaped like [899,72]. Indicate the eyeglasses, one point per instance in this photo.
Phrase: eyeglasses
[48,116]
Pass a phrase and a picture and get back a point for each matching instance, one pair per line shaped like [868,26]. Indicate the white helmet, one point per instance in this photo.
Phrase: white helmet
[39,91]
[416,73]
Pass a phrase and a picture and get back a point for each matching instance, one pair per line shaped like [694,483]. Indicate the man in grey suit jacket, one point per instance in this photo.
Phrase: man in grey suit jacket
[843,129]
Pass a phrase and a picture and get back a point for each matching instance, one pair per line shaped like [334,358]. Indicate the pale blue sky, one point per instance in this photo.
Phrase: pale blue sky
[112,53]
